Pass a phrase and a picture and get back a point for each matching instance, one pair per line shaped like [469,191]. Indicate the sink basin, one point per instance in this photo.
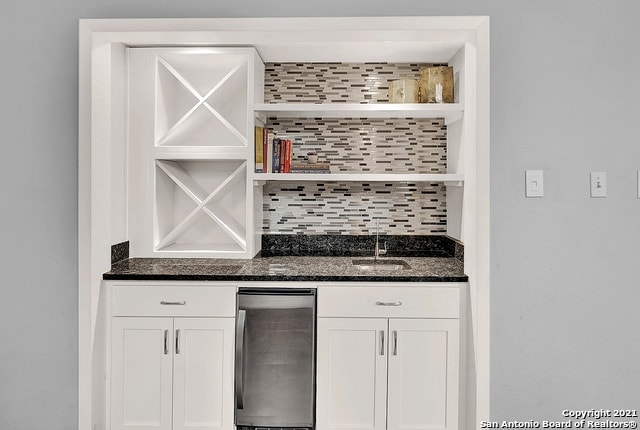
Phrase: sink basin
[380,265]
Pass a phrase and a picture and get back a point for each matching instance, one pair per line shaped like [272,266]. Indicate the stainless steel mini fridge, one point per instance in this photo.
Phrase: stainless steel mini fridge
[275,358]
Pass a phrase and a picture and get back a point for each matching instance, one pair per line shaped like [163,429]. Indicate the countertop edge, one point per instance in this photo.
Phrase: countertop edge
[284,269]
[281,278]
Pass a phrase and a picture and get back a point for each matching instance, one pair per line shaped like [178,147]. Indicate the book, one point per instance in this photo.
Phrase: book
[269,153]
[288,151]
[310,167]
[268,143]
[276,155]
[283,144]
[285,153]
[310,171]
[259,152]
[265,131]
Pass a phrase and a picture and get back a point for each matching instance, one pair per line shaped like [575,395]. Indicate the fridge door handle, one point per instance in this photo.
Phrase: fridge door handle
[240,332]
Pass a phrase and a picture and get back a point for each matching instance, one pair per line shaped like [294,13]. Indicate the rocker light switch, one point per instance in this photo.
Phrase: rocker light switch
[598,184]
[534,181]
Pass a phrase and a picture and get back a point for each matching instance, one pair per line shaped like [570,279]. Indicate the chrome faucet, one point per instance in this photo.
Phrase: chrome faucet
[377,252]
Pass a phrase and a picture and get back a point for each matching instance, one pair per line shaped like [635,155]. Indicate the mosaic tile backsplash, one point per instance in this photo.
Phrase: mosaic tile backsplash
[334,82]
[354,145]
[354,208]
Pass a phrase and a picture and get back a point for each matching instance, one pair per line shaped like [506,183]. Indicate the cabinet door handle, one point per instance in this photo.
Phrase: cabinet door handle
[178,341]
[178,303]
[395,342]
[166,342]
[396,303]
[381,342]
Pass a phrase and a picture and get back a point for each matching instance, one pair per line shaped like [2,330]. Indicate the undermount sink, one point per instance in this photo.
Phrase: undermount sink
[371,265]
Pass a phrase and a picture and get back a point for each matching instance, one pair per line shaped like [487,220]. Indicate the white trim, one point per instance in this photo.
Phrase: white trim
[483,249]
[84,228]
[397,38]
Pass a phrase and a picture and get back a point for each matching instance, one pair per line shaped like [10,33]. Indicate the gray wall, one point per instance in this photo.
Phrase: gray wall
[564,268]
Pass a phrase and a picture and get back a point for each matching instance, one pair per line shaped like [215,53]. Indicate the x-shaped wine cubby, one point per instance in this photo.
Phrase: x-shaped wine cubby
[200,203]
[191,123]
[201,106]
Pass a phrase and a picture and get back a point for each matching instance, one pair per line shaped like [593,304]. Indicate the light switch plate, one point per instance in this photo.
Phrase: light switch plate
[598,184]
[534,183]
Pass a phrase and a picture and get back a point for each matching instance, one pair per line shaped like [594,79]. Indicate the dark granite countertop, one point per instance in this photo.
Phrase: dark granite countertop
[285,268]
[317,258]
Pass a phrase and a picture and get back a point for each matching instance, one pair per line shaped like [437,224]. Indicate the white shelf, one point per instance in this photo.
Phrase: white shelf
[200,152]
[449,178]
[451,112]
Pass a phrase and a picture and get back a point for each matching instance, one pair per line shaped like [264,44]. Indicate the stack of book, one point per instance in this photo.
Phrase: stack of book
[274,155]
[310,168]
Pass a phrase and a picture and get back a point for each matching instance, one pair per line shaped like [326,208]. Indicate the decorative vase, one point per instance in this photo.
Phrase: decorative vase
[436,85]
[403,91]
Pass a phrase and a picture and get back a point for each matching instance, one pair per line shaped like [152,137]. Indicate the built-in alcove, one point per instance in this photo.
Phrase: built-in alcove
[106,199]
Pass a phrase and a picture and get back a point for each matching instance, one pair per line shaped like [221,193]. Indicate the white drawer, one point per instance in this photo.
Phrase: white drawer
[174,301]
[389,301]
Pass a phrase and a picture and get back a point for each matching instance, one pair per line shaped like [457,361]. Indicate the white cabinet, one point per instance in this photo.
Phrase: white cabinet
[202,374]
[388,368]
[352,374]
[190,133]
[423,374]
[171,373]
[141,373]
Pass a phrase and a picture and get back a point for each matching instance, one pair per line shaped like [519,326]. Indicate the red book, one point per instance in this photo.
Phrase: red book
[290,155]
[287,158]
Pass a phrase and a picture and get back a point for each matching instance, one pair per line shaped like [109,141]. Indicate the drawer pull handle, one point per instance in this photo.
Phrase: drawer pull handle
[180,303]
[396,303]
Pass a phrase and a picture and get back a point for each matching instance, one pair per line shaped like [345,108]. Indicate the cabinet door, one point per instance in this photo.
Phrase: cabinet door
[141,373]
[423,374]
[352,373]
[203,374]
